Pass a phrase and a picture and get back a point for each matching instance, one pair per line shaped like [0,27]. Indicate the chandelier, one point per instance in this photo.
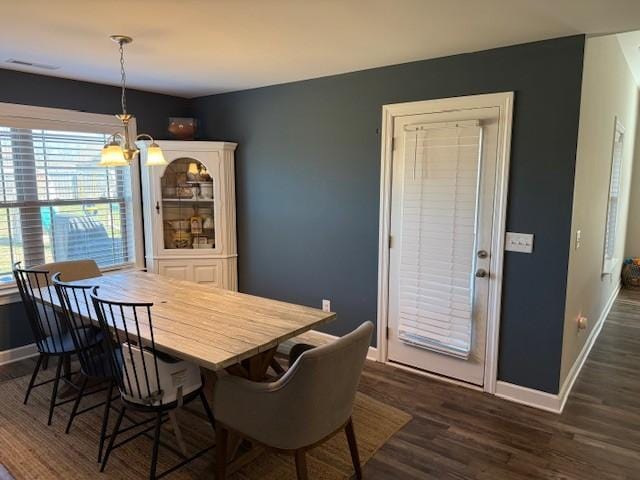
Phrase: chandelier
[119,152]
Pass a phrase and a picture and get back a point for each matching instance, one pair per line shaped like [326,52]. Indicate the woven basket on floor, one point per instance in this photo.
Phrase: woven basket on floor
[631,275]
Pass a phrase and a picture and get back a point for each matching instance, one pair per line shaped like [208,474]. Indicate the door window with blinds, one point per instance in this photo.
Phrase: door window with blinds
[439,222]
[56,202]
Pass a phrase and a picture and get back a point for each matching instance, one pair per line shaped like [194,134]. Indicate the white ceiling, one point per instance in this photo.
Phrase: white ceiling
[630,43]
[198,47]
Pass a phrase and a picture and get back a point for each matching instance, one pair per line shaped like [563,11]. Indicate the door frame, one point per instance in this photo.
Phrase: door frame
[504,101]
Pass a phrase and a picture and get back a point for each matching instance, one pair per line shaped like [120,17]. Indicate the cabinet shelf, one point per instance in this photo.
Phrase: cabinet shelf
[188,200]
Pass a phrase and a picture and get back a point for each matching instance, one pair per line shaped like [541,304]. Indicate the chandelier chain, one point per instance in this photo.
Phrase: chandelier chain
[120,149]
[123,75]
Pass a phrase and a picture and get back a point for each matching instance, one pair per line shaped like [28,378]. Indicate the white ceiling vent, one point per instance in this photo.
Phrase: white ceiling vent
[25,63]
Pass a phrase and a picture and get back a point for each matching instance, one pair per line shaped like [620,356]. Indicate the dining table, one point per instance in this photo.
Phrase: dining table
[215,328]
[219,330]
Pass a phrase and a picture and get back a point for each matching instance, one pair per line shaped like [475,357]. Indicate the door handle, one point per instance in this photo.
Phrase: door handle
[481,273]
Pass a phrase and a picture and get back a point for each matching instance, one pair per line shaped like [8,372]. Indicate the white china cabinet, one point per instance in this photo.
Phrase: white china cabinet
[190,213]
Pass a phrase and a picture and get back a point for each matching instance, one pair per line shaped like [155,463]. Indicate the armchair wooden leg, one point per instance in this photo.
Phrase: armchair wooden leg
[301,465]
[353,448]
[222,436]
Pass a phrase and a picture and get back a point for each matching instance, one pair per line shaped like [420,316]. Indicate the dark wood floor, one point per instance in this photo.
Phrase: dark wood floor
[457,433]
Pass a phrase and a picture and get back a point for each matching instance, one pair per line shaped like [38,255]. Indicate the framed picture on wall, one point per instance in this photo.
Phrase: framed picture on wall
[613,203]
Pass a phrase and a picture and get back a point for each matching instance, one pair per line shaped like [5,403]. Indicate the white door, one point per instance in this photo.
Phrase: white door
[442,200]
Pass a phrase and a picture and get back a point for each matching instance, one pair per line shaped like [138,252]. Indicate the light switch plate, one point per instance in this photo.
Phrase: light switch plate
[519,242]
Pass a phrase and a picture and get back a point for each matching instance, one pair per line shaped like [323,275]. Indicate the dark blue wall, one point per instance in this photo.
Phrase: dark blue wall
[308,170]
[152,112]
[14,328]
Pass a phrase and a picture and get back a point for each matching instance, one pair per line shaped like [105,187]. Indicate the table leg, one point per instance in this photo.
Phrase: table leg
[177,432]
[67,367]
[66,390]
[275,365]
[210,379]
[259,364]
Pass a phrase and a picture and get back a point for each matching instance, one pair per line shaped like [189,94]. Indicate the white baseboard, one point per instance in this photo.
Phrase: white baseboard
[529,396]
[565,390]
[17,354]
[555,402]
[314,337]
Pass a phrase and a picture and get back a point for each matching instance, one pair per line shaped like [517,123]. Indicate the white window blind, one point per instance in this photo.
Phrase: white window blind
[614,199]
[439,211]
[57,204]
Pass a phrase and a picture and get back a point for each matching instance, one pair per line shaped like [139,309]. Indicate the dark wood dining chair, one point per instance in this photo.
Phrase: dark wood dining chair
[51,336]
[305,407]
[149,381]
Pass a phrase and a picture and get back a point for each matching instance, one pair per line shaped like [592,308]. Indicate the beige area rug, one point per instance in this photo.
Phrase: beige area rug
[29,449]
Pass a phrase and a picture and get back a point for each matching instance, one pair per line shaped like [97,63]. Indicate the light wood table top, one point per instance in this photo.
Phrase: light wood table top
[212,327]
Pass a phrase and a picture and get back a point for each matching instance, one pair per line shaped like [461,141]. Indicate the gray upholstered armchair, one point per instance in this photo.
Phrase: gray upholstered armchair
[309,404]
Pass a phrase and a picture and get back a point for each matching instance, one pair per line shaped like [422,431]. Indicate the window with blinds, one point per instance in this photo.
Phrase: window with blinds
[57,204]
[439,217]
[613,202]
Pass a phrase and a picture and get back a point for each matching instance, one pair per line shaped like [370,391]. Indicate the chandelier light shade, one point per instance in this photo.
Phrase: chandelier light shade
[113,156]
[119,151]
[155,157]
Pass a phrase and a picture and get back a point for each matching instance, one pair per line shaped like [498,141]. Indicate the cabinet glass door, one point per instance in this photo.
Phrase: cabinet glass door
[187,205]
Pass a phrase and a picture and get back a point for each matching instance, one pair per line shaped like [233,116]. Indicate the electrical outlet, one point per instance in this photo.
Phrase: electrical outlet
[578,238]
[326,305]
[583,322]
